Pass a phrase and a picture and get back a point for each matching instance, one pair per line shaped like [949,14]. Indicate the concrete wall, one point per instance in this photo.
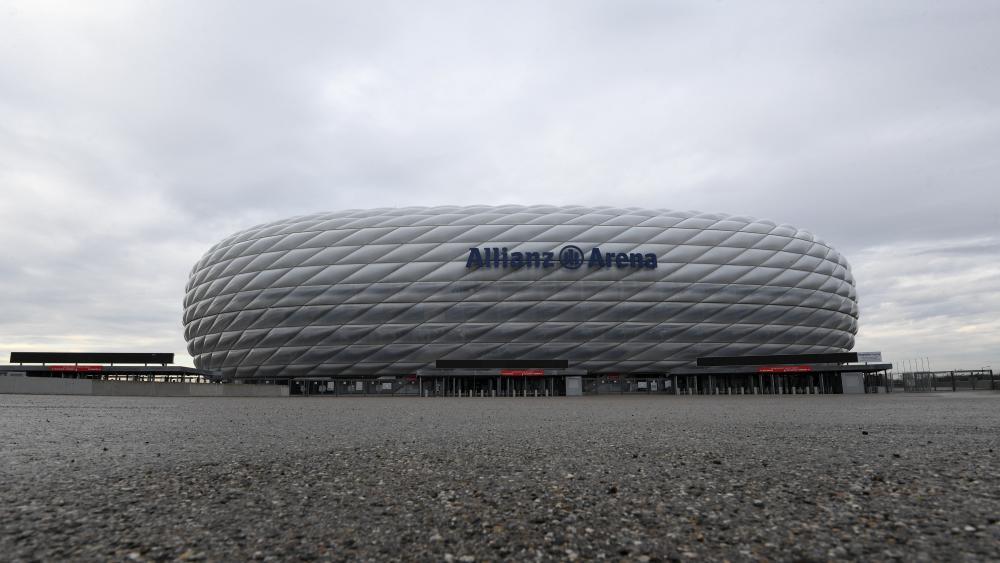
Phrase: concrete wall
[574,385]
[853,382]
[58,386]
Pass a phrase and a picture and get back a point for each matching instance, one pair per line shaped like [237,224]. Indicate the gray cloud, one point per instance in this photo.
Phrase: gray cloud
[987,249]
[135,136]
[933,299]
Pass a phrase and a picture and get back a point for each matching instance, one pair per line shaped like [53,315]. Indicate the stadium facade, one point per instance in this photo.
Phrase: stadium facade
[599,291]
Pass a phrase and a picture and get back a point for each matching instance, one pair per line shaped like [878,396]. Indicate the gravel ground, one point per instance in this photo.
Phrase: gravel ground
[806,478]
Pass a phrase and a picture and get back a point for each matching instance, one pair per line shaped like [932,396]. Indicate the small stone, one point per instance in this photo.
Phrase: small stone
[191,555]
[969,528]
[436,537]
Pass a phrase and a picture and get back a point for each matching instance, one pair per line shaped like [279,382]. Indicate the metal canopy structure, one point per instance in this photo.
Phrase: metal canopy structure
[101,365]
[162,358]
[501,363]
[762,368]
[501,372]
[103,372]
[779,359]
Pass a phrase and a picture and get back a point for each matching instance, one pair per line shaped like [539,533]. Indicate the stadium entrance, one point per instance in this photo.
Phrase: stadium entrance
[510,382]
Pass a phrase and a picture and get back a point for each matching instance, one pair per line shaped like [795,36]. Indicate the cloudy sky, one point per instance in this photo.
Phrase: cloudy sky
[134,135]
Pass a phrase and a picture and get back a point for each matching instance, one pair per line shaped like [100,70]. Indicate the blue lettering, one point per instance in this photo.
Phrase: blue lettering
[475,259]
[595,259]
[492,257]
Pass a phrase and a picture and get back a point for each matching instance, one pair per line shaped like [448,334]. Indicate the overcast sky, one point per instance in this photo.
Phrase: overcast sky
[135,135]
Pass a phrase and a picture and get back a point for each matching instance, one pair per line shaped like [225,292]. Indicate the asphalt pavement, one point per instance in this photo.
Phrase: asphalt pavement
[905,477]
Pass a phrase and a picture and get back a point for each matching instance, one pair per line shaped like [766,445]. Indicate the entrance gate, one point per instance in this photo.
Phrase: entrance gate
[491,386]
[494,382]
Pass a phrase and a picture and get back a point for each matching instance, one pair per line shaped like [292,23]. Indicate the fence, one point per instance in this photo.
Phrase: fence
[954,380]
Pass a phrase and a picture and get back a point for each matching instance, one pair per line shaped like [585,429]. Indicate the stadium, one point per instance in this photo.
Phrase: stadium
[494,300]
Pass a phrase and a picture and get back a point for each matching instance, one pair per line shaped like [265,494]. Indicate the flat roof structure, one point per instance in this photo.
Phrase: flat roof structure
[828,358]
[100,365]
[100,371]
[783,369]
[162,358]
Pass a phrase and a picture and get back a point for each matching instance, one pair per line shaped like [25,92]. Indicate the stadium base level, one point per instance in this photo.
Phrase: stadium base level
[527,382]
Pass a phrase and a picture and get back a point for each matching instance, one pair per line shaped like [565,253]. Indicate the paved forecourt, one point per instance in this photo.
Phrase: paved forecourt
[879,477]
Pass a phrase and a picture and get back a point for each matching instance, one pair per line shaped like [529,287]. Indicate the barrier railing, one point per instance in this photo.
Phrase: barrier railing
[952,380]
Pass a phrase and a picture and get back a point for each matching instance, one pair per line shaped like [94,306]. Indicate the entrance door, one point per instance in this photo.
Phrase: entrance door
[492,386]
[534,386]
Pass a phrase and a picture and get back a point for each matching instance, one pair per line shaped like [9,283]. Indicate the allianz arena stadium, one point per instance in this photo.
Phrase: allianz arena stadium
[394,294]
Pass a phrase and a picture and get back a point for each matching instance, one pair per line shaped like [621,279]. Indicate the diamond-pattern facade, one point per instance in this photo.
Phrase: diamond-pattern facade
[387,291]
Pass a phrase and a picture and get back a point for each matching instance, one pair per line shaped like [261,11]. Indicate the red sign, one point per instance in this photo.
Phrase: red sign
[75,368]
[784,369]
[522,372]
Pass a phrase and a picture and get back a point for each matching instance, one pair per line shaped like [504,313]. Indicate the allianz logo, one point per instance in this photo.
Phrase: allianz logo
[570,256]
